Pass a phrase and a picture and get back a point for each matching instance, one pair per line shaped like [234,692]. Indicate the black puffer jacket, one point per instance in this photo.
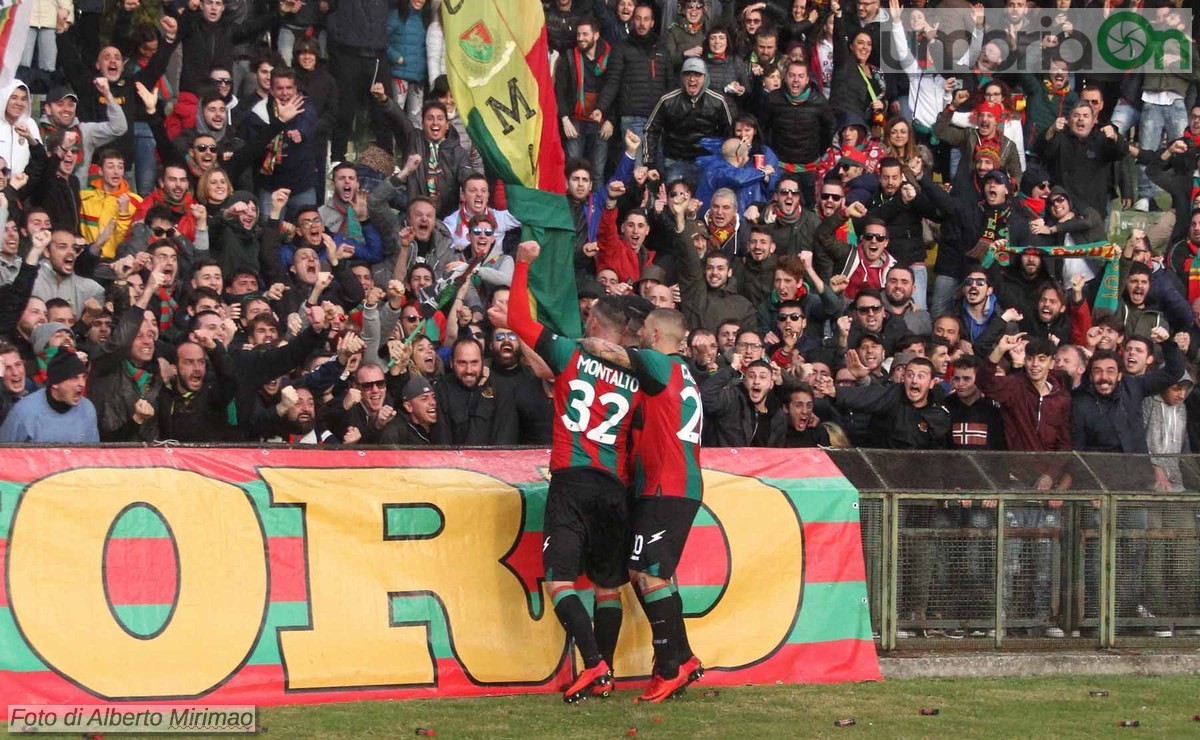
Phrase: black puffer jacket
[679,121]
[359,23]
[638,75]
[906,240]
[798,132]
[206,44]
[721,72]
[734,420]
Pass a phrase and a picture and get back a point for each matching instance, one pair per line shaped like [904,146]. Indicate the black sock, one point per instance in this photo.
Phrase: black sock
[663,612]
[608,625]
[574,618]
[683,647]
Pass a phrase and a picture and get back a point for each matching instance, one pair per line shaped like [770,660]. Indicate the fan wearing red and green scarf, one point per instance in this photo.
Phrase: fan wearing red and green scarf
[1184,258]
[174,192]
[346,218]
[489,268]
[48,340]
[163,304]
[124,382]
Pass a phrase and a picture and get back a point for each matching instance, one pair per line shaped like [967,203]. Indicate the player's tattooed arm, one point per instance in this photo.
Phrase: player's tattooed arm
[606,351]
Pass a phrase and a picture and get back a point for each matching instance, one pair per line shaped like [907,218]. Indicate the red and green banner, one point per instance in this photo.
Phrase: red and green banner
[1108,297]
[14,31]
[246,576]
[497,63]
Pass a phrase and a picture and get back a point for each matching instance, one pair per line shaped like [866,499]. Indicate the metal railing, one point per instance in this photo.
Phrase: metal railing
[1095,548]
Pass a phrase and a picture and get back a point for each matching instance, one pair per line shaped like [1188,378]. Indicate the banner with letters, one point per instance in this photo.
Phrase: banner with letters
[279,576]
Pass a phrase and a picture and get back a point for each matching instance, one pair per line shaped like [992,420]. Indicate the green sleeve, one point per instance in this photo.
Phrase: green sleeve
[555,350]
[652,369]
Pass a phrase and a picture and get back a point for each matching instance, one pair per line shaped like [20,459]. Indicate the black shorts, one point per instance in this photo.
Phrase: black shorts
[586,528]
[660,529]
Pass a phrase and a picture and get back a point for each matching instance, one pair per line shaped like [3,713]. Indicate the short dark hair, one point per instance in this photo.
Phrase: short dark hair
[282,72]
[200,264]
[434,105]
[1128,340]
[868,293]
[767,31]
[306,209]
[39,209]
[875,221]
[202,292]
[158,213]
[266,56]
[890,162]
[343,165]
[107,154]
[1104,354]
[763,230]
[968,362]
[1112,321]
[52,303]
[265,318]
[923,362]
[1058,291]
[800,387]
[791,303]
[907,341]
[195,322]
[1137,268]
[717,254]
[1040,347]
[576,164]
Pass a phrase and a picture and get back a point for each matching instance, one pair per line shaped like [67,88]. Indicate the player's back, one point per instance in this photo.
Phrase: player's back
[667,441]
[593,405]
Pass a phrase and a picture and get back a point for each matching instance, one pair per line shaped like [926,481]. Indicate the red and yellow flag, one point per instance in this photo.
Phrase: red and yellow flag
[498,66]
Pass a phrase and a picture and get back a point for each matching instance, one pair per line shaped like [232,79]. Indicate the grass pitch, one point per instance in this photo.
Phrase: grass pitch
[974,708]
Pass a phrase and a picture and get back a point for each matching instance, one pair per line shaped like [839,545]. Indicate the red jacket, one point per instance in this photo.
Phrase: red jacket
[1032,422]
[186,224]
[615,254]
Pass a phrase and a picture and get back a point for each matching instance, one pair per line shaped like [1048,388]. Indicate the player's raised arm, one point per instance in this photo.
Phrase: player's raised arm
[520,317]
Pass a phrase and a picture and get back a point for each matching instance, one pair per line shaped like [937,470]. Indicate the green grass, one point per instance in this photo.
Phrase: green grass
[969,708]
[975,708]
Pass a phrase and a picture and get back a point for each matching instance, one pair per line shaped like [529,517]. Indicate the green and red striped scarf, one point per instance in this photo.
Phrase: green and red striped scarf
[141,378]
[1192,268]
[167,306]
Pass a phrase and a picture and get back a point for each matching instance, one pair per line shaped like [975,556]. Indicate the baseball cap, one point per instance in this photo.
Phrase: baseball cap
[636,308]
[58,92]
[416,386]
[694,64]
[1000,176]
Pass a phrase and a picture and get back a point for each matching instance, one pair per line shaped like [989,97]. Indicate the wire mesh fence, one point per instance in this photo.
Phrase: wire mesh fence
[1110,553]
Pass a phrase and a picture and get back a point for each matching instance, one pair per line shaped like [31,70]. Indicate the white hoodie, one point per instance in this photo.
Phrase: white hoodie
[14,147]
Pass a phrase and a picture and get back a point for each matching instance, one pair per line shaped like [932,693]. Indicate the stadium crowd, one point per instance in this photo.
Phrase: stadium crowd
[199,248]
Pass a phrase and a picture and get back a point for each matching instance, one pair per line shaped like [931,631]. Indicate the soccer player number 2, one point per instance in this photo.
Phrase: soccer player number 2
[691,428]
[582,404]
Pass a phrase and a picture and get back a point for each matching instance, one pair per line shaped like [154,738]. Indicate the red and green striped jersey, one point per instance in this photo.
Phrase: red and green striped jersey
[593,401]
[593,407]
[667,441]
